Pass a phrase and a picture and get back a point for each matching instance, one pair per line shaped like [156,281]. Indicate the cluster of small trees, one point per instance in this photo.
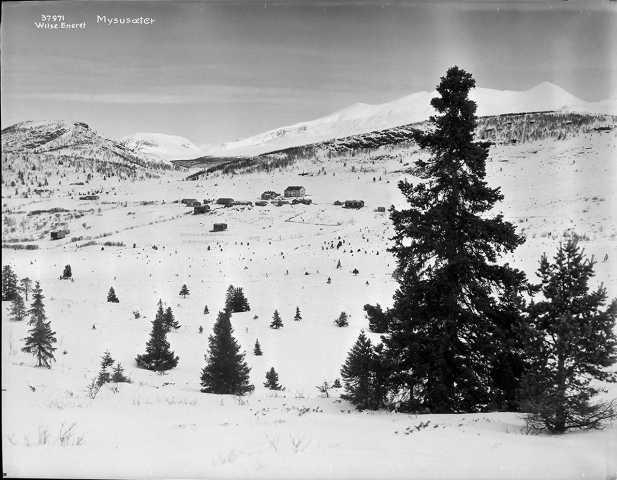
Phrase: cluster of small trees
[466,333]
[41,338]
[235,301]
[115,376]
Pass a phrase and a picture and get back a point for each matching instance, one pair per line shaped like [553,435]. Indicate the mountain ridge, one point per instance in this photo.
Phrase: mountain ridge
[361,118]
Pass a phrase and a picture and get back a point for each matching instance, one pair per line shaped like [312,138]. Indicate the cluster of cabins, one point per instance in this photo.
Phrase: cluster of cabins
[293,194]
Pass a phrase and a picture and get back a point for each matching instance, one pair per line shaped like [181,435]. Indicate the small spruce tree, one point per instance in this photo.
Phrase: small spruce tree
[257,350]
[36,312]
[276,320]
[184,291]
[573,343]
[40,338]
[297,316]
[9,283]
[272,380]
[67,273]
[206,311]
[158,356]
[118,375]
[342,320]
[111,296]
[104,376]
[18,309]
[225,371]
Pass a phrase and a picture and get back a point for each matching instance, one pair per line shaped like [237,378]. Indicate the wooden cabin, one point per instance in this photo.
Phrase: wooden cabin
[199,209]
[58,234]
[269,195]
[219,227]
[354,203]
[227,202]
[295,191]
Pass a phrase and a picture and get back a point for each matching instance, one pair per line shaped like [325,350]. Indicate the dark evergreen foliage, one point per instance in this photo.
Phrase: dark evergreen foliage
[257,350]
[9,283]
[158,356]
[444,341]
[276,320]
[206,311]
[235,301]
[18,309]
[36,312]
[118,375]
[297,316]
[184,291]
[377,318]
[111,296]
[363,376]
[272,380]
[40,338]
[225,371]
[573,343]
[104,376]
[342,320]
[67,273]
[169,320]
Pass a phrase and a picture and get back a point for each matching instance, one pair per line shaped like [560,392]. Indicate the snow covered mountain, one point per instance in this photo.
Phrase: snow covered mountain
[161,147]
[363,118]
[66,139]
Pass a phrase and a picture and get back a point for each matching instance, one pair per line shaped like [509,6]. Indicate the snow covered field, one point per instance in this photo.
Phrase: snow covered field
[162,426]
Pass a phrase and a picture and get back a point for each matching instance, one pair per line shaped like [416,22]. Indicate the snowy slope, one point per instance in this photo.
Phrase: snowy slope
[163,426]
[362,117]
[162,147]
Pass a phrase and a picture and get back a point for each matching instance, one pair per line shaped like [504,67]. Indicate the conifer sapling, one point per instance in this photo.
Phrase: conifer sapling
[272,380]
[276,320]
[257,350]
[111,296]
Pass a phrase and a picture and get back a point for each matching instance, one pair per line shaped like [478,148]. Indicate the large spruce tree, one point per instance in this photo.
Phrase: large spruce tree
[443,339]
[573,343]
[158,356]
[225,371]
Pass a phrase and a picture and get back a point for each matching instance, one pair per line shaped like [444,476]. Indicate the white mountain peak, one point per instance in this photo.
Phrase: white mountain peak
[363,117]
[162,146]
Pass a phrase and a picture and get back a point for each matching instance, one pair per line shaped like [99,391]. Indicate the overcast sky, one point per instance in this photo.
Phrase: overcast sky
[214,72]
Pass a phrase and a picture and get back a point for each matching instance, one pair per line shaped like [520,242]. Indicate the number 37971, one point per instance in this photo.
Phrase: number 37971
[52,18]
